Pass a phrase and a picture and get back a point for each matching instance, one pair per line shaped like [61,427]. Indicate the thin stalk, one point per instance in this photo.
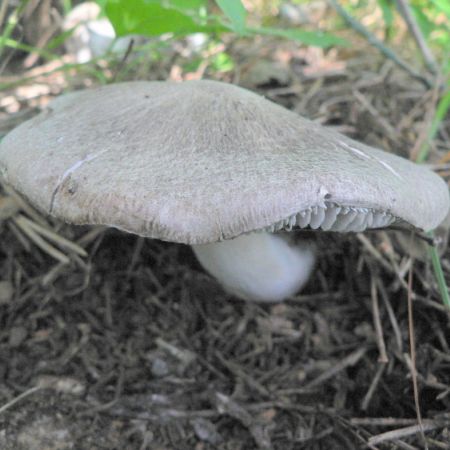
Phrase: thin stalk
[439,274]
[11,23]
[441,112]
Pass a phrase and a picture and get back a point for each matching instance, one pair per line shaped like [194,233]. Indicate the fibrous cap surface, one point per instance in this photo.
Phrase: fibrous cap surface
[202,161]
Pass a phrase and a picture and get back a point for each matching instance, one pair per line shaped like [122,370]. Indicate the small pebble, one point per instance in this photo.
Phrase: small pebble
[159,368]
[17,335]
[6,292]
[206,431]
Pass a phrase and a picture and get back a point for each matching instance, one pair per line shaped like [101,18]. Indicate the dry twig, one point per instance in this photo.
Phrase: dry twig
[405,10]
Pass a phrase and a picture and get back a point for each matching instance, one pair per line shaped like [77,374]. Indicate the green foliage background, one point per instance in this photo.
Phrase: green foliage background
[182,17]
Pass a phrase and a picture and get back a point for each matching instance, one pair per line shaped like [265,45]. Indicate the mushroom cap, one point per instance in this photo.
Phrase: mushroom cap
[202,161]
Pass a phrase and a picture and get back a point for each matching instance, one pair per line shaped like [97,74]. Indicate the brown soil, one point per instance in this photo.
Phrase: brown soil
[135,347]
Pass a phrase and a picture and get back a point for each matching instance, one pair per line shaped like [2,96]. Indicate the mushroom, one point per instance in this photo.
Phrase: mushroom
[217,167]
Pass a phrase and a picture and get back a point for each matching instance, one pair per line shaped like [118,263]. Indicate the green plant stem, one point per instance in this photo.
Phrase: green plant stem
[439,274]
[405,10]
[11,23]
[16,45]
[441,112]
[3,9]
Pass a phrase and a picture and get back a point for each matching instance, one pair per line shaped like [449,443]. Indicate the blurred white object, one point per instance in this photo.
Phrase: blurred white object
[91,37]
[293,14]
[197,41]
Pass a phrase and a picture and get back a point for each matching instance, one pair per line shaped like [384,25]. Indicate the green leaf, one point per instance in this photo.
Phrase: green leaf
[150,18]
[424,22]
[222,62]
[442,109]
[442,5]
[235,11]
[187,4]
[313,38]
[67,6]
[102,4]
[387,7]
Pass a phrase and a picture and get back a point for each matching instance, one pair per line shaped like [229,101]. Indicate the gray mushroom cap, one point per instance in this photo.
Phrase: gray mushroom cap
[202,161]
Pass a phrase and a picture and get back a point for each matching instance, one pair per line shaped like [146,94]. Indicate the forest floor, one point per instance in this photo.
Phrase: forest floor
[135,347]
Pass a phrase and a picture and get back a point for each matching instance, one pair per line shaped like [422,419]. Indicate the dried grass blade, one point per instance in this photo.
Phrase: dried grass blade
[24,206]
[54,237]
[402,432]
[41,243]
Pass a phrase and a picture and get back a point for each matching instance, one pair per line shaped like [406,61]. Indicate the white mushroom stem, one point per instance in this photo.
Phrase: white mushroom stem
[258,266]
